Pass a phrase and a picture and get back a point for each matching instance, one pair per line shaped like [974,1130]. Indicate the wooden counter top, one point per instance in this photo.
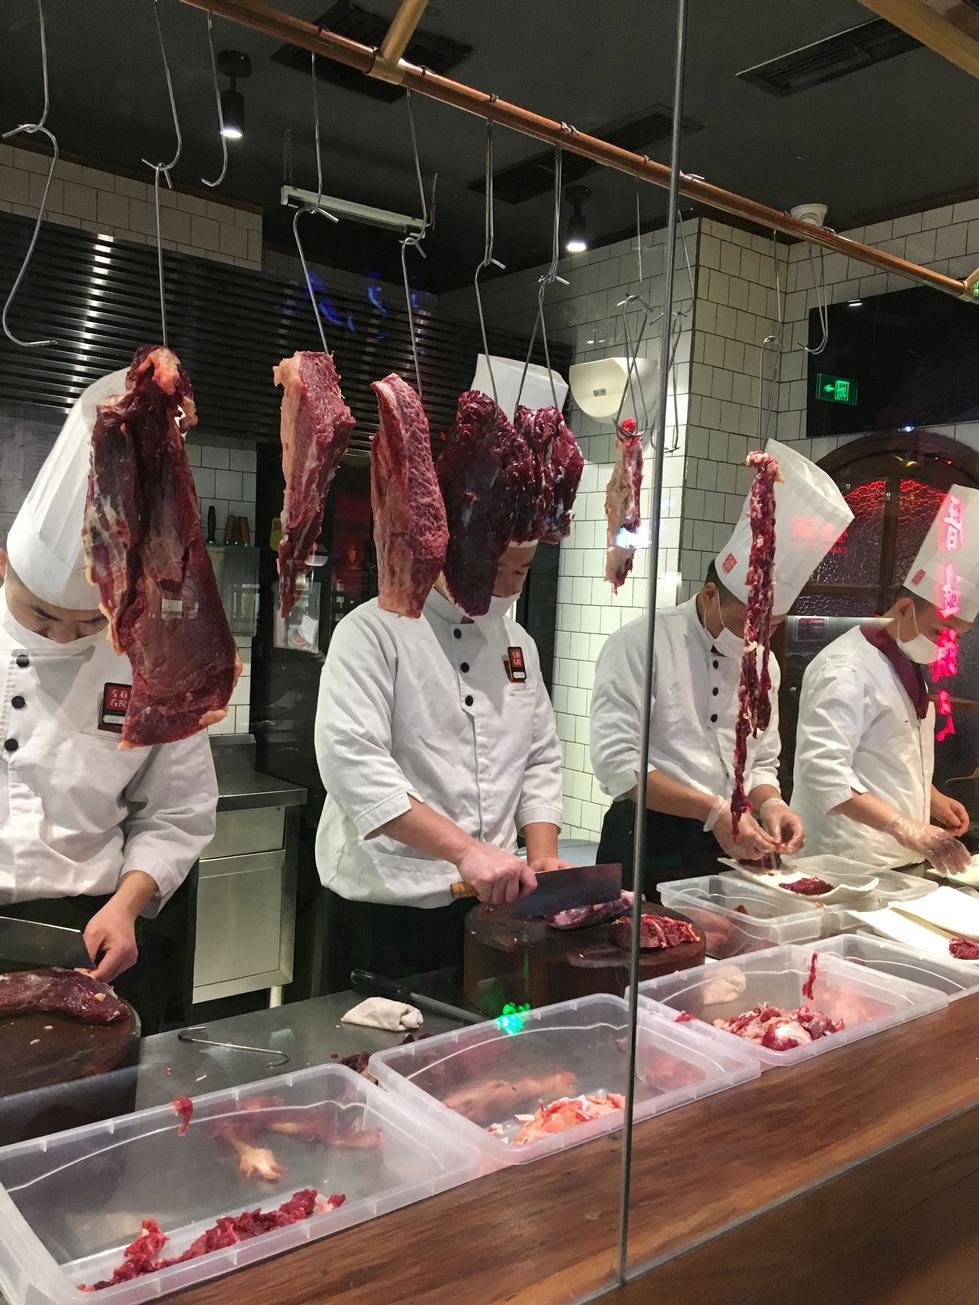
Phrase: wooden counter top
[737,1197]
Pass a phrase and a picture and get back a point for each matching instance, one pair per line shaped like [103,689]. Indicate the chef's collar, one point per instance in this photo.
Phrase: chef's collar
[705,636]
[444,608]
[30,639]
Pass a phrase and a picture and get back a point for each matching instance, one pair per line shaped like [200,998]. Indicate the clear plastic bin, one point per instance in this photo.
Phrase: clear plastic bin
[490,1073]
[904,963]
[768,919]
[71,1203]
[868,1002]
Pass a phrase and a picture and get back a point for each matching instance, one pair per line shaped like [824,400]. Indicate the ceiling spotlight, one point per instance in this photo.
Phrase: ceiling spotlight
[576,239]
[855,303]
[233,64]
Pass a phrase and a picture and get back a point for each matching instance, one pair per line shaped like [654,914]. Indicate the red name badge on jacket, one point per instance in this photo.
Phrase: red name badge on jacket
[114,705]
[516,668]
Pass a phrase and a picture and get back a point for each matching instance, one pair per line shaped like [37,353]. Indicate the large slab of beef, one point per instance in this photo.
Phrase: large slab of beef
[146,554]
[755,686]
[410,531]
[315,426]
[62,992]
[545,513]
[622,503]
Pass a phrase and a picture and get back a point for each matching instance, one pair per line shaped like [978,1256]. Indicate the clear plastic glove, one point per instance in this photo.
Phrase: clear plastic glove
[498,877]
[752,842]
[952,815]
[779,820]
[942,849]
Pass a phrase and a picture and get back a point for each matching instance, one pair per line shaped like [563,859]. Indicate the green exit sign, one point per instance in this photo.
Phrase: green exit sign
[836,389]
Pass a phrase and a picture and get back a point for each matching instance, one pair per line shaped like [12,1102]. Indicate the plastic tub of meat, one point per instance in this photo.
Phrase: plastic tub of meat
[487,1083]
[739,917]
[887,957]
[290,1147]
[860,1001]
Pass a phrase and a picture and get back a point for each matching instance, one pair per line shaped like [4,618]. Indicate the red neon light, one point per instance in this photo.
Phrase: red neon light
[944,706]
[953,524]
[946,664]
[950,594]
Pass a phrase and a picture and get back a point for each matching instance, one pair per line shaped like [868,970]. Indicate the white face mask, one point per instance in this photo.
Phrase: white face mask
[727,642]
[920,649]
[498,608]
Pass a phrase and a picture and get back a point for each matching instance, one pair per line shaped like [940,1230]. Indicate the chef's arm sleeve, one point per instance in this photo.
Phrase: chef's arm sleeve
[831,724]
[353,730]
[616,715]
[540,797]
[172,804]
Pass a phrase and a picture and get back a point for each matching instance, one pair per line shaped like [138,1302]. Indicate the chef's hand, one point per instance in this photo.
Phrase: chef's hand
[542,864]
[949,813]
[783,824]
[752,842]
[111,941]
[498,877]
[936,845]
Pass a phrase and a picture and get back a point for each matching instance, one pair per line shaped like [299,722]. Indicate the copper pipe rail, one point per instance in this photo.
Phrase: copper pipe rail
[260,17]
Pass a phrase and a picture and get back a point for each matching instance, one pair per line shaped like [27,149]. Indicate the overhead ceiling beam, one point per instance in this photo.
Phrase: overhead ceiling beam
[949,27]
[284,27]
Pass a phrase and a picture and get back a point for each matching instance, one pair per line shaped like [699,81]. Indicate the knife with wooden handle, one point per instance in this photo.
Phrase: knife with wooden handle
[561,890]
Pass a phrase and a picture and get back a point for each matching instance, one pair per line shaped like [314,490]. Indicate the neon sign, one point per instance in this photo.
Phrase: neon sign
[953,524]
[951,533]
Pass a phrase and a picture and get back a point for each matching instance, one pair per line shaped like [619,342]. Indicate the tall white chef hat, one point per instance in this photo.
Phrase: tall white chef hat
[946,570]
[810,516]
[45,542]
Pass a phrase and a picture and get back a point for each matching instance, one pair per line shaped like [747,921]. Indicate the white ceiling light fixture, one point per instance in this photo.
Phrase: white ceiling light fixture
[233,65]
[576,239]
[293,197]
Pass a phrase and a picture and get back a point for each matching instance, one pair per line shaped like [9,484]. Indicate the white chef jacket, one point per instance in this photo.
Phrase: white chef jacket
[434,709]
[76,813]
[859,733]
[693,710]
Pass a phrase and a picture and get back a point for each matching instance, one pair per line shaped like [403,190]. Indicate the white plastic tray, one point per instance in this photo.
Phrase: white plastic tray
[867,1002]
[71,1203]
[947,976]
[587,1039]
[773,917]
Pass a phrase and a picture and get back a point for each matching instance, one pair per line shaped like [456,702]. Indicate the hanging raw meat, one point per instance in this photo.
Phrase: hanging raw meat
[558,464]
[622,504]
[315,426]
[755,687]
[145,552]
[410,532]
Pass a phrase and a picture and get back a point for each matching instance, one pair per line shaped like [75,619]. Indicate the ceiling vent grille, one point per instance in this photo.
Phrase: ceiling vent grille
[427,49]
[824,61]
[535,176]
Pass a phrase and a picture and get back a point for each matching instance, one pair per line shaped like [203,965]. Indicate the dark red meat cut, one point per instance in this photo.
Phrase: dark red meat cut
[145,552]
[655,932]
[754,689]
[809,886]
[583,917]
[315,426]
[810,983]
[622,504]
[410,530]
[143,1256]
[558,465]
[65,992]
[964,949]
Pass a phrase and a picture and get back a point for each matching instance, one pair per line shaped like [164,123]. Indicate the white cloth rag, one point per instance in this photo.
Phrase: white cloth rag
[382,1013]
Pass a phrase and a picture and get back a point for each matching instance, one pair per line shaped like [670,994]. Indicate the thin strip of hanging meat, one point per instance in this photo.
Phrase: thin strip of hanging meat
[410,531]
[315,426]
[755,687]
[146,554]
[622,504]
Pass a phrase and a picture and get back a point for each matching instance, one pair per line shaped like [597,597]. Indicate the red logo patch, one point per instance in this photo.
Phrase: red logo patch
[729,563]
[918,576]
[113,707]
[515,666]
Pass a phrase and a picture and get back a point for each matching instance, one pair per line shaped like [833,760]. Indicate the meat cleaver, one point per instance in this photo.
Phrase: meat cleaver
[28,942]
[560,890]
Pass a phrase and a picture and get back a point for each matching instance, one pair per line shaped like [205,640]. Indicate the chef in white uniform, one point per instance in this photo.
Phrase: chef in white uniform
[696,671]
[90,836]
[865,749]
[437,746]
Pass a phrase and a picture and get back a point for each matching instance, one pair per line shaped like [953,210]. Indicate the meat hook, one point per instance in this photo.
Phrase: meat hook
[32,129]
[414,241]
[186,1035]
[316,208]
[217,104]
[488,259]
[548,279]
[165,168]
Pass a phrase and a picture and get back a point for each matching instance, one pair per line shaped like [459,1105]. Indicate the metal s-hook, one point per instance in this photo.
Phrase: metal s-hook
[316,208]
[488,259]
[217,105]
[414,241]
[165,169]
[548,279]
[33,129]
